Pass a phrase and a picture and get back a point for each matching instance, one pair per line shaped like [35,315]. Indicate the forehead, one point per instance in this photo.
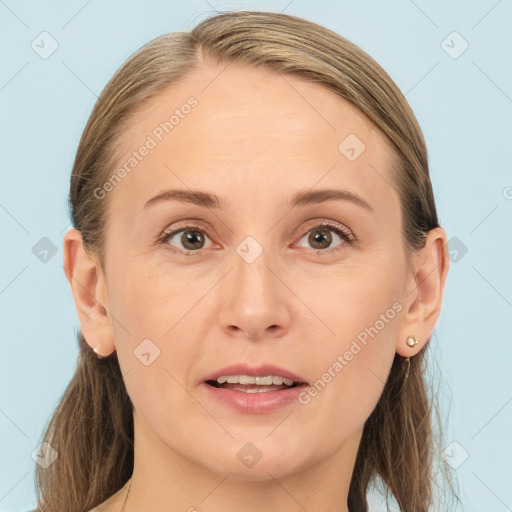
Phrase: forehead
[245,132]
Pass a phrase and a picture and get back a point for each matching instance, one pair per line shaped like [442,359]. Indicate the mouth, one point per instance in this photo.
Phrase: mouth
[255,383]
[260,389]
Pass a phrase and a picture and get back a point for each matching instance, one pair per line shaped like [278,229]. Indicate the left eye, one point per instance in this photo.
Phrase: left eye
[320,237]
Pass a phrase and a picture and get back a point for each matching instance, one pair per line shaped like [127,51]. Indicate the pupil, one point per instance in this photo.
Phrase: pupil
[316,238]
[188,238]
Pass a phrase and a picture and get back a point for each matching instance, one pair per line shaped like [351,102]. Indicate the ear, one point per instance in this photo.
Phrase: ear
[89,290]
[429,269]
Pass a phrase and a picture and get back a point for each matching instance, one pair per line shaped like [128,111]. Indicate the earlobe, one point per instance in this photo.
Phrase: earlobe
[429,270]
[88,287]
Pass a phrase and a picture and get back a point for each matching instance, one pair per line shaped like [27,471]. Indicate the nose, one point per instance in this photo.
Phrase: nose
[255,305]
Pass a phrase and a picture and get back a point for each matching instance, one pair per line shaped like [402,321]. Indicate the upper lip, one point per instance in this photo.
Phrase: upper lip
[261,370]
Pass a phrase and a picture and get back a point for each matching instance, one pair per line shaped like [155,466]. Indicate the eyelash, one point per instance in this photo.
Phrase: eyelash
[344,233]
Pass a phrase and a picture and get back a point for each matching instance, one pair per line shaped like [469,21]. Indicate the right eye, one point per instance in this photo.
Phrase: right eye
[191,238]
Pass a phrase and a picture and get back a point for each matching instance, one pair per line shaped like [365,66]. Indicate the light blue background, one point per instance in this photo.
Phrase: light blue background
[464,106]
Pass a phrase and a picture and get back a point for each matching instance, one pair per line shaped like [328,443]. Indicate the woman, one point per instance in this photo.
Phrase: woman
[257,266]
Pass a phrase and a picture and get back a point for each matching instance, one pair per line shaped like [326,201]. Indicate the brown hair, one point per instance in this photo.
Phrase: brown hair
[92,427]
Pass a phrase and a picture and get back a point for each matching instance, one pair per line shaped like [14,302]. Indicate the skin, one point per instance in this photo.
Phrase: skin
[254,139]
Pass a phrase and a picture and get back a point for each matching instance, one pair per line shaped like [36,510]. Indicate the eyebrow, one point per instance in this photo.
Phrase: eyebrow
[303,198]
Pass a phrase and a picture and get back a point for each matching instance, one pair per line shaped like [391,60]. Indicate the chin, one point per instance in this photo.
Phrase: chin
[264,469]
[263,473]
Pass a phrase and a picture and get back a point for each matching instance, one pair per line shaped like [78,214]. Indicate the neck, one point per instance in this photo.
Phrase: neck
[163,480]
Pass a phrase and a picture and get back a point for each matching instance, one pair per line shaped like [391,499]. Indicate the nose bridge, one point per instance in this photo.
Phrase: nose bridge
[254,301]
[252,267]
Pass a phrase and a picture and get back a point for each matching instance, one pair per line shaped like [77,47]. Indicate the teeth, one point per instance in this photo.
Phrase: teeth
[267,380]
[263,381]
[255,390]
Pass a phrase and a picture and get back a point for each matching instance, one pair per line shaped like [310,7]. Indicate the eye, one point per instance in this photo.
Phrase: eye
[321,239]
[191,239]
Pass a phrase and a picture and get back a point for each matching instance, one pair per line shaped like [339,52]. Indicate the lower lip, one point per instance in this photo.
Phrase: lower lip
[255,403]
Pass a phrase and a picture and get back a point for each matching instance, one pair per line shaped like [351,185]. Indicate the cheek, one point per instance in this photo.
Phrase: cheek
[146,301]
[352,362]
[157,354]
[361,304]
[152,332]
[350,377]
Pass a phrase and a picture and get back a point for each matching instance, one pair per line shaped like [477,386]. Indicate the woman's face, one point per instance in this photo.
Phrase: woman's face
[258,280]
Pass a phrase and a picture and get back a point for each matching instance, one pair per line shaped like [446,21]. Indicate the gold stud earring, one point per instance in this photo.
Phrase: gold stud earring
[411,340]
